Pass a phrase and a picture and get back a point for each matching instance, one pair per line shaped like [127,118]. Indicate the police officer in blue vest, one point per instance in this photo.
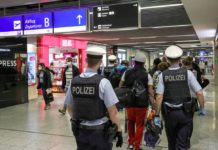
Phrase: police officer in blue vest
[92,106]
[174,100]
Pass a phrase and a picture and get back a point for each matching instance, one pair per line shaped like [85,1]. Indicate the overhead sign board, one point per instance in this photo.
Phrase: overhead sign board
[70,20]
[40,23]
[11,26]
[115,16]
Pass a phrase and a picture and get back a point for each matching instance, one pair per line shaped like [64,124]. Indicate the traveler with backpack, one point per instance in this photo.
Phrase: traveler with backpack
[116,74]
[44,83]
[112,64]
[70,71]
[141,83]
[160,68]
[200,76]
[156,62]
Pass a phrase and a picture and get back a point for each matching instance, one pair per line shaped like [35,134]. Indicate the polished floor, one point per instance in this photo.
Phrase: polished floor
[29,127]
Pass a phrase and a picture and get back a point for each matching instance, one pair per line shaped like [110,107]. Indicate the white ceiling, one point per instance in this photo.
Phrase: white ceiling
[204,17]
[10,3]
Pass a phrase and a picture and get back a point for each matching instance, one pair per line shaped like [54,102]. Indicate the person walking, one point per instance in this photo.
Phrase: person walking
[70,71]
[91,104]
[173,96]
[136,114]
[112,64]
[44,83]
[155,66]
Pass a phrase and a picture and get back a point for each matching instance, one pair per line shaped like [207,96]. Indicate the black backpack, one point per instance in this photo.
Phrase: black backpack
[140,93]
[116,76]
[135,93]
[107,71]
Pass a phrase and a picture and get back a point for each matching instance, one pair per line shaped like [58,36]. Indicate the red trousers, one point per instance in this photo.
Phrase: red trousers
[136,122]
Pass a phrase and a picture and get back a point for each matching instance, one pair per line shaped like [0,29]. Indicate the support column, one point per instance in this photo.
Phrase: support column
[215,64]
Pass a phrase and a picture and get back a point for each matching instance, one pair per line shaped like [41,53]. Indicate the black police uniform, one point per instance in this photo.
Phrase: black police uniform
[177,107]
[88,106]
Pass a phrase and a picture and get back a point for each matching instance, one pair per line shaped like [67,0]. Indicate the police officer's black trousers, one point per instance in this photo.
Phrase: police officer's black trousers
[178,125]
[92,140]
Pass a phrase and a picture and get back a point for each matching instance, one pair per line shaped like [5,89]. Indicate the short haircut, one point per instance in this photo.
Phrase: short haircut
[139,63]
[174,60]
[92,62]
[163,66]
[69,59]
[187,61]
[125,62]
[42,65]
[156,61]
[112,61]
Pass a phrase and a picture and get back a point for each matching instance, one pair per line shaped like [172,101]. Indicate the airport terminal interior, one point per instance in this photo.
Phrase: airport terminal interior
[51,32]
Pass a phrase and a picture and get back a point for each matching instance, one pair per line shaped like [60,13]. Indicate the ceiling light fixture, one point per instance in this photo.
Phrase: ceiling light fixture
[126,43]
[173,26]
[187,41]
[156,42]
[151,48]
[139,46]
[148,37]
[113,39]
[161,6]
[160,53]
[181,35]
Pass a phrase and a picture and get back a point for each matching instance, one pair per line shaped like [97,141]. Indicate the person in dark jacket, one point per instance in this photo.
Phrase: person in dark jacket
[155,64]
[70,71]
[44,83]
[200,76]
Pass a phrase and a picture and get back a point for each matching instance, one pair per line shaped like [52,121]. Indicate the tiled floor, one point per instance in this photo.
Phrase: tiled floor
[29,127]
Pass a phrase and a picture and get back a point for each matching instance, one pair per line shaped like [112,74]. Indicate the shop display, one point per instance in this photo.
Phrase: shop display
[58,64]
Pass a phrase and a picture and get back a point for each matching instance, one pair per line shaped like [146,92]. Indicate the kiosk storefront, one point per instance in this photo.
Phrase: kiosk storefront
[53,52]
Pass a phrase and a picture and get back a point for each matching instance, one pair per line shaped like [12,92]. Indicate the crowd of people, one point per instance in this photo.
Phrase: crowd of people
[172,89]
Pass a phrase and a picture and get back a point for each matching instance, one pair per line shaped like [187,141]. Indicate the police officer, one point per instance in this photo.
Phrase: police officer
[112,64]
[173,95]
[92,105]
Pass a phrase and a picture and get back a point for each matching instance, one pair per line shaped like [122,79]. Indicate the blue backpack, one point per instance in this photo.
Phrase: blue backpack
[116,75]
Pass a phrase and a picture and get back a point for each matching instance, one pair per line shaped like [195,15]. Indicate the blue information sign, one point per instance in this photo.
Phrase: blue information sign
[70,20]
[11,26]
[39,23]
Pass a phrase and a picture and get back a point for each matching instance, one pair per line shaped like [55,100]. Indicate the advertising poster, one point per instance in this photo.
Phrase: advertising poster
[31,68]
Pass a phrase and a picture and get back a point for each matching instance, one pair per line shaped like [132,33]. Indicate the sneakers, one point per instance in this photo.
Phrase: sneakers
[47,107]
[130,147]
[62,111]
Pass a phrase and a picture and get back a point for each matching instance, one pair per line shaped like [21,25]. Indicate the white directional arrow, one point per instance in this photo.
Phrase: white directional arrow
[79,17]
